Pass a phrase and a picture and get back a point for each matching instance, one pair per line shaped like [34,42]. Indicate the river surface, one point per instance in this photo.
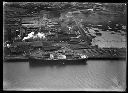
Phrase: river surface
[95,75]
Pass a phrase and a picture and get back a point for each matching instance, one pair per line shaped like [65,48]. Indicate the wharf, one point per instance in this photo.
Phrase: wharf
[15,59]
[92,53]
[105,53]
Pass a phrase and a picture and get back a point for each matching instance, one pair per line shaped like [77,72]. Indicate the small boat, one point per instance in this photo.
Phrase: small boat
[57,58]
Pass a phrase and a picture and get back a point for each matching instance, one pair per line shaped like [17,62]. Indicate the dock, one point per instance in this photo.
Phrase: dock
[105,53]
[15,59]
[92,53]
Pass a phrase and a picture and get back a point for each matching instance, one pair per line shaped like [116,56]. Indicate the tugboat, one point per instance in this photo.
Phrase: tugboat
[57,57]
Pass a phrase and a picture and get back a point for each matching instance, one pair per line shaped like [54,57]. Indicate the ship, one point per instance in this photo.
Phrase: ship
[55,58]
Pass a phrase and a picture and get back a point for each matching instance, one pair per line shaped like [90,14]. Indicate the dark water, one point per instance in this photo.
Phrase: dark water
[98,74]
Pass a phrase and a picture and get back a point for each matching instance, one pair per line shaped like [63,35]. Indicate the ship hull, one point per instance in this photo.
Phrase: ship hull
[34,61]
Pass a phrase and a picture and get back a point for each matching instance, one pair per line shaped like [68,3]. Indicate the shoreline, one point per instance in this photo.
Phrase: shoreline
[93,54]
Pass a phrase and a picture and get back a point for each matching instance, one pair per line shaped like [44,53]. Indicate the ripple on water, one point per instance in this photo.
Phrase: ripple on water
[96,74]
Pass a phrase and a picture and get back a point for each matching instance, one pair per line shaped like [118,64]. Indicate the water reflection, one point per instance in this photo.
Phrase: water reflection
[31,65]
